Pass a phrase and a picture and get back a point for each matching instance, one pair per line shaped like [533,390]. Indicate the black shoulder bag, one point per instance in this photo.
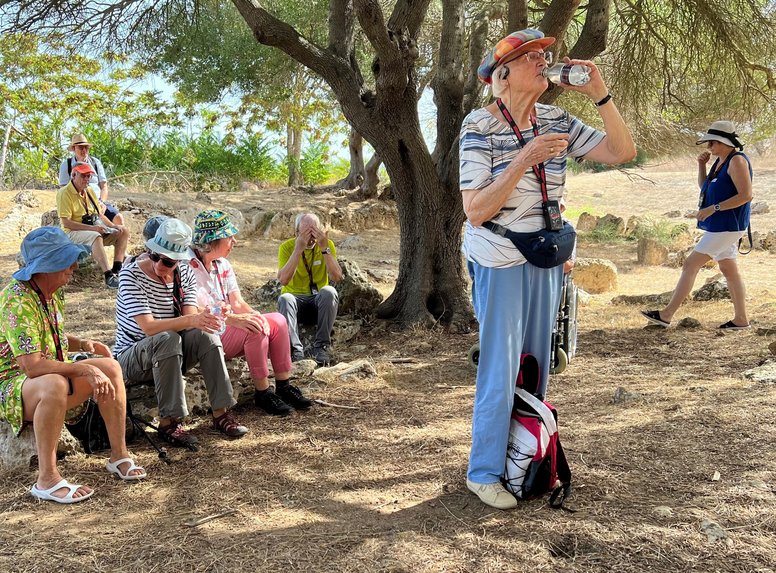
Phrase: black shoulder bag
[548,247]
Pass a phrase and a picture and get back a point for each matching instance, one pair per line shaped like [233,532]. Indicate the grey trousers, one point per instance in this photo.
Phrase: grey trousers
[164,357]
[320,309]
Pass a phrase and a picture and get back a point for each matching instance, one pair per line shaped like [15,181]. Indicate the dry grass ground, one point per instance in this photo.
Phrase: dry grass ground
[382,488]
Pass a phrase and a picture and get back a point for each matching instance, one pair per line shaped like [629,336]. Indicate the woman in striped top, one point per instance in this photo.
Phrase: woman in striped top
[509,151]
[161,333]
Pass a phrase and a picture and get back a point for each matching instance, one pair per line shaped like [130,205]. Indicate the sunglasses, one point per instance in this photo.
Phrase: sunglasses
[156,257]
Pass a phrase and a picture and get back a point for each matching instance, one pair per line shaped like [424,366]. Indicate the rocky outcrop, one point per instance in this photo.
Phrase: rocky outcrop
[715,289]
[651,252]
[357,295]
[17,453]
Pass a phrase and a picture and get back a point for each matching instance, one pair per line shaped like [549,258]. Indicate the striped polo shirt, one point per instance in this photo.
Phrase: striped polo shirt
[140,294]
[487,146]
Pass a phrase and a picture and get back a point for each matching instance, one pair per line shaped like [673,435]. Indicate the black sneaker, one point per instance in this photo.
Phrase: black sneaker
[293,395]
[297,355]
[112,281]
[321,356]
[271,403]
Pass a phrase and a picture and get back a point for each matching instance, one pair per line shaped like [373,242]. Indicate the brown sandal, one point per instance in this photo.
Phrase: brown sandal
[228,425]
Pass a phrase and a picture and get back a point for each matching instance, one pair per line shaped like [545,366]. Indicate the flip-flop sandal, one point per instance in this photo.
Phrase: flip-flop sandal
[113,467]
[730,325]
[48,494]
[653,316]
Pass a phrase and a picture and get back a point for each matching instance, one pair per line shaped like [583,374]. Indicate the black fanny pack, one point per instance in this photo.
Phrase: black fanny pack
[544,249]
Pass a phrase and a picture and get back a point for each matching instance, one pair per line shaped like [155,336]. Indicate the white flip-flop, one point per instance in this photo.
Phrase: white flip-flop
[48,494]
[113,467]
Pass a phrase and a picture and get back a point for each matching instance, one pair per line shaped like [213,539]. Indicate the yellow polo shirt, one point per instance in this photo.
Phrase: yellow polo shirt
[70,205]
[300,282]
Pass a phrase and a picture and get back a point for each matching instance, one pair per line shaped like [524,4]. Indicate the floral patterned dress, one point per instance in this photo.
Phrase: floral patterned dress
[25,330]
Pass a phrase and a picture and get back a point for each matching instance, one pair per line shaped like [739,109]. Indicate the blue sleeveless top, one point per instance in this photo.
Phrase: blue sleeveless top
[717,190]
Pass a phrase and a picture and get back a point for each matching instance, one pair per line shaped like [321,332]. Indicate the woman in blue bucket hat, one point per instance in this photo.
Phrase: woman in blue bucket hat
[513,156]
[39,384]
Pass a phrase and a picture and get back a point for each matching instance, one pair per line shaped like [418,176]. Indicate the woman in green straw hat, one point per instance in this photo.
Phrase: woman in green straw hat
[248,332]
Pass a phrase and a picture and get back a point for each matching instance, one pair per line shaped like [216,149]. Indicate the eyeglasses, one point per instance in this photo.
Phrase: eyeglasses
[536,57]
[156,257]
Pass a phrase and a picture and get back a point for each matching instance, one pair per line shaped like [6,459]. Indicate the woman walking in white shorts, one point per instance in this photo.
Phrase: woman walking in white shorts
[723,213]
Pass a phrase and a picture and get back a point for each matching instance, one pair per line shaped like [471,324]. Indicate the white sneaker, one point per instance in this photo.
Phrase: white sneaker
[493,494]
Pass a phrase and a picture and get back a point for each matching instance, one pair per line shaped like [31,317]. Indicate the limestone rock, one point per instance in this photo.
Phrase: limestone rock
[27,199]
[18,452]
[635,225]
[713,531]
[765,373]
[595,275]
[303,368]
[346,330]
[610,220]
[647,300]
[769,242]
[772,347]
[352,243]
[675,214]
[651,252]
[49,219]
[358,369]
[357,296]
[586,222]
[622,395]
[715,289]
[266,296]
[689,322]
[760,208]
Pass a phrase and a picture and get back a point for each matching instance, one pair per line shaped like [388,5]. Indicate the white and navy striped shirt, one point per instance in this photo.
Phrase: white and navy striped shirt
[487,146]
[139,294]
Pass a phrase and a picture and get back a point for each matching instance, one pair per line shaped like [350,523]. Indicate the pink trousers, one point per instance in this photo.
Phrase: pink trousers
[255,347]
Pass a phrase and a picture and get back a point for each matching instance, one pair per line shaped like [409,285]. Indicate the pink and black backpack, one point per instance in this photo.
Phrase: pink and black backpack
[536,464]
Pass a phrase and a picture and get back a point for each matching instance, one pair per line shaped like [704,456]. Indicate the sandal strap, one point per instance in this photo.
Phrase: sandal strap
[226,422]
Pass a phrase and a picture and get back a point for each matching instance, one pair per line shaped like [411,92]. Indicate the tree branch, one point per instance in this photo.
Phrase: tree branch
[517,15]
[409,15]
[341,28]
[557,18]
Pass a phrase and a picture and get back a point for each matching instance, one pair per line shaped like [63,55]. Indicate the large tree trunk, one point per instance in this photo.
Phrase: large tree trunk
[356,175]
[294,155]
[431,282]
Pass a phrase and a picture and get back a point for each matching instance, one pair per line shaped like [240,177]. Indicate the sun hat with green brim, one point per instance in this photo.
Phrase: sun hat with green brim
[48,250]
[724,132]
[211,225]
[172,239]
[509,48]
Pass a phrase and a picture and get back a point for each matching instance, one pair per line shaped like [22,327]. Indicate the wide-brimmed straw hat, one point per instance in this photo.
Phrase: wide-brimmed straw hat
[509,48]
[172,239]
[78,139]
[724,132]
[211,225]
[48,250]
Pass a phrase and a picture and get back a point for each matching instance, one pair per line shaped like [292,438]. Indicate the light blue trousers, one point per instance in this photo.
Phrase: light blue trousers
[516,308]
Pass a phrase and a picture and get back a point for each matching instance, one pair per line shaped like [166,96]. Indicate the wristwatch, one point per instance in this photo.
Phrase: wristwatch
[326,251]
[716,206]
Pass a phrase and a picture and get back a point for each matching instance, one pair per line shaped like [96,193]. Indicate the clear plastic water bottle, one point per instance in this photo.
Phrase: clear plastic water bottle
[569,74]
[215,310]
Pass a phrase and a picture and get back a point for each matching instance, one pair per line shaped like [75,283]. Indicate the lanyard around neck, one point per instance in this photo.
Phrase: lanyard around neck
[51,320]
[538,169]
[308,266]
